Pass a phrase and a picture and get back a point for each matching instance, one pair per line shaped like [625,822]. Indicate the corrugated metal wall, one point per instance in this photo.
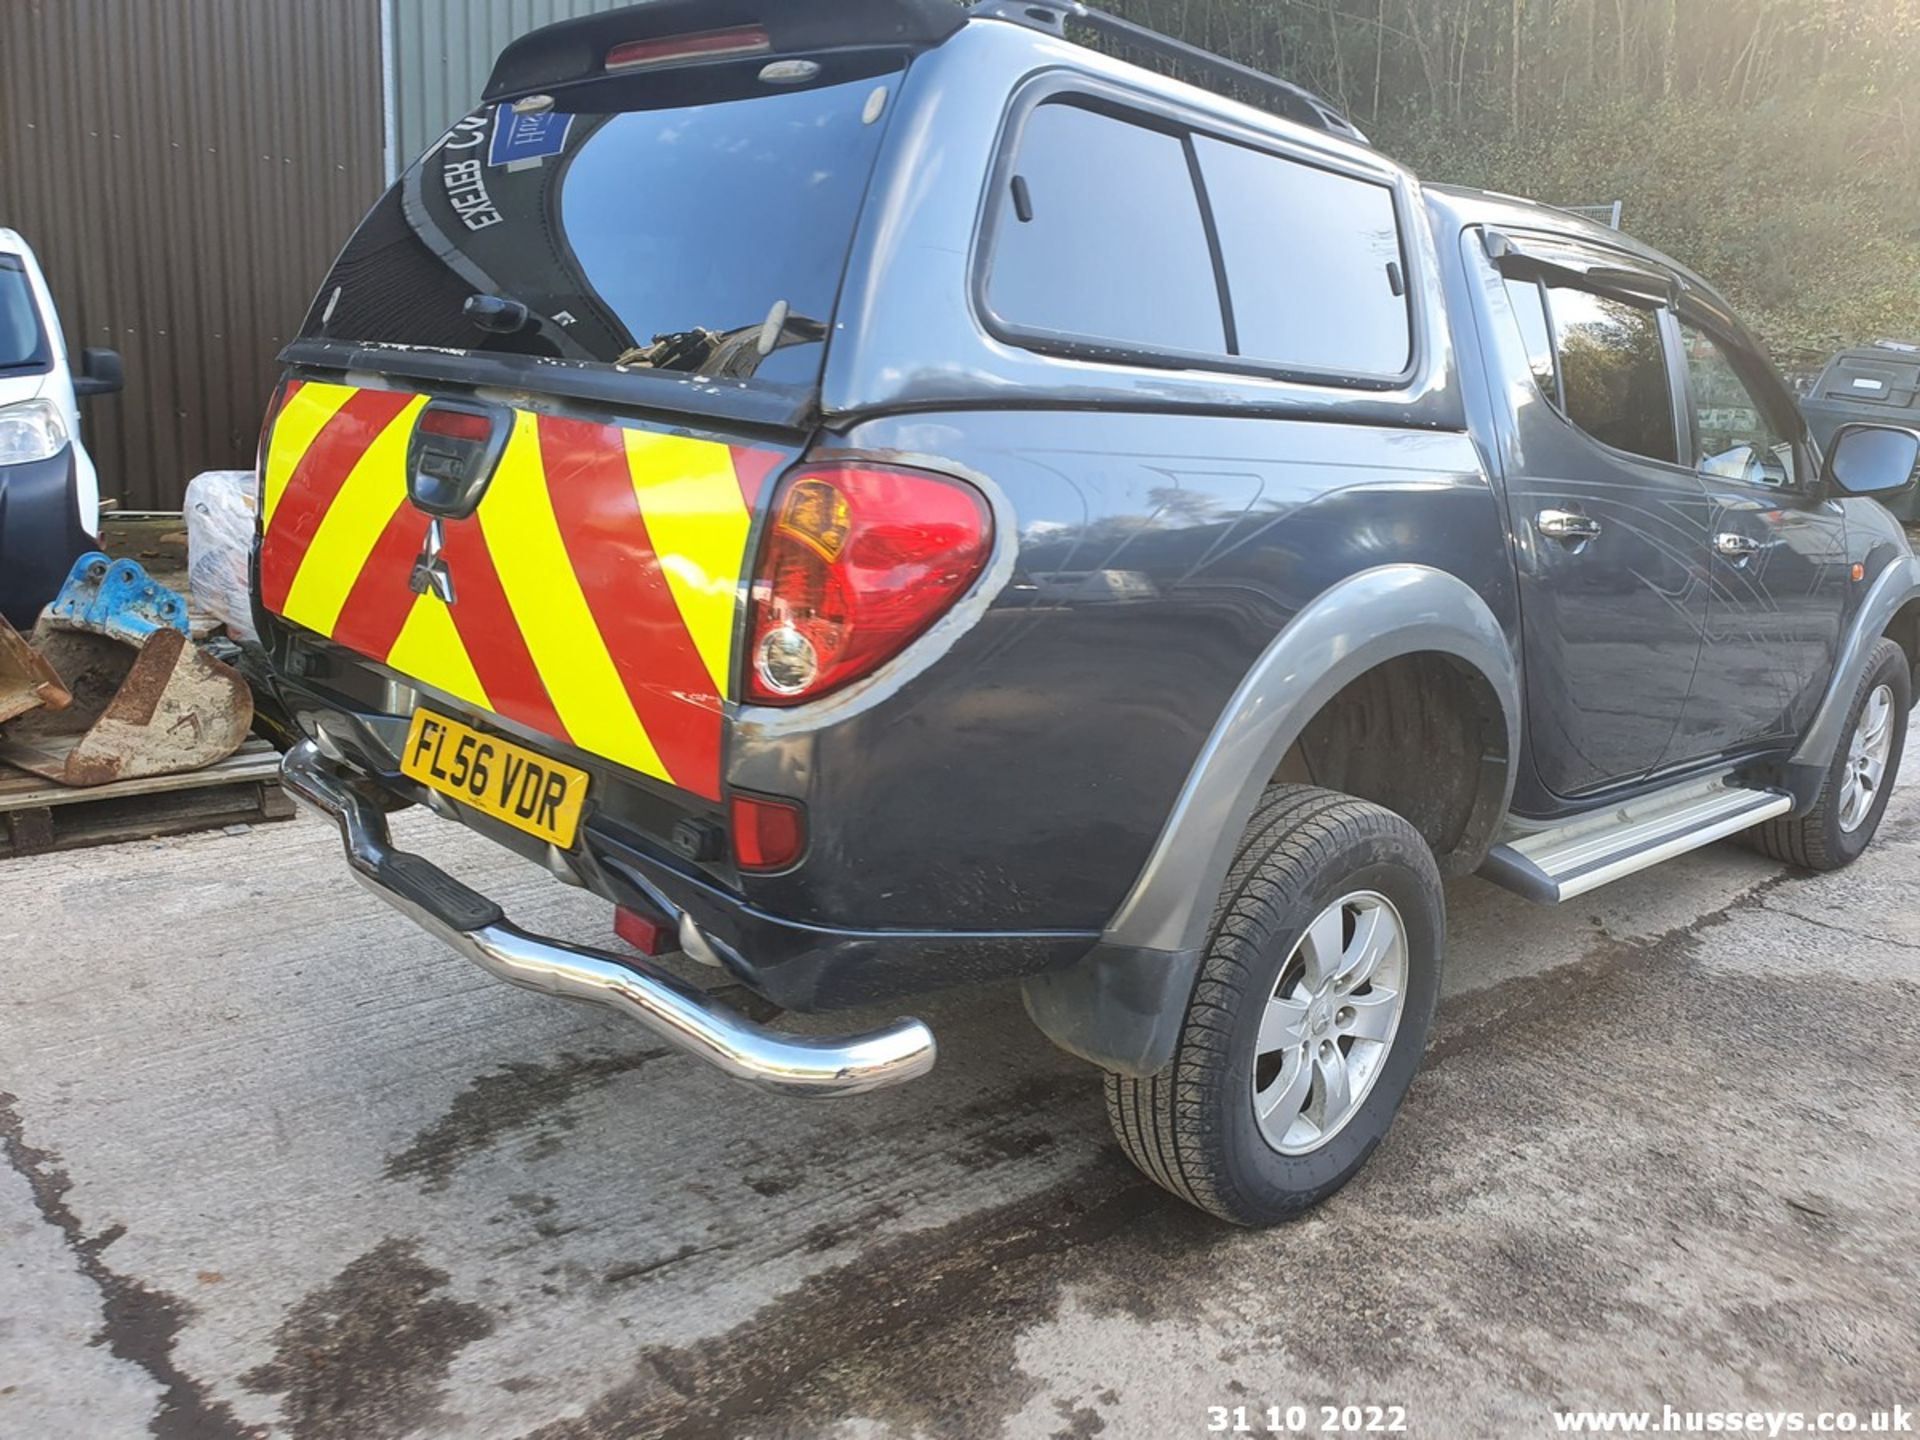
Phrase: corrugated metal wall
[186,170]
[443,51]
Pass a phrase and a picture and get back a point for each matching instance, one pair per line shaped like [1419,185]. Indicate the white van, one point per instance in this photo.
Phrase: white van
[49,492]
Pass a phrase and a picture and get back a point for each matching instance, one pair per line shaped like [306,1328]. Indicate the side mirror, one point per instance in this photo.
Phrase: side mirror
[102,372]
[1878,460]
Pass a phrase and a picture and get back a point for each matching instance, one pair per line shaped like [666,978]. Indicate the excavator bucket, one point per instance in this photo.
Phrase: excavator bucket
[144,699]
[26,681]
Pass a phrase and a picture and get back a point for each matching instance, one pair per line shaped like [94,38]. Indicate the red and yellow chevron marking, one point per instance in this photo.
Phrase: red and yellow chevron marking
[594,587]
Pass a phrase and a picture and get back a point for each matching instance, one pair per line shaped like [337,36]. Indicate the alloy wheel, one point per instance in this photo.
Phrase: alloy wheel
[1330,1022]
[1867,757]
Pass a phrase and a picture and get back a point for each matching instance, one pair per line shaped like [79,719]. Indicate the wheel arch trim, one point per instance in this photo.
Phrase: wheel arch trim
[1364,621]
[1122,1005]
[1806,770]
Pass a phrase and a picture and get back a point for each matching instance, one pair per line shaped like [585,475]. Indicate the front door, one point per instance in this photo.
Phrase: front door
[1610,530]
[1779,561]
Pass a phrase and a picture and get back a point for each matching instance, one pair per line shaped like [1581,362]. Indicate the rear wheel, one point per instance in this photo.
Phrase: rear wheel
[1308,1018]
[1842,821]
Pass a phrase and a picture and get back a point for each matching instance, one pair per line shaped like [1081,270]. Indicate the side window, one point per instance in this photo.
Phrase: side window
[1530,309]
[1613,372]
[22,345]
[1733,439]
[1313,262]
[1104,239]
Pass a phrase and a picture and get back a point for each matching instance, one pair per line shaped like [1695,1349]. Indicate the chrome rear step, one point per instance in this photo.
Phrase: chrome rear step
[676,1011]
[1559,863]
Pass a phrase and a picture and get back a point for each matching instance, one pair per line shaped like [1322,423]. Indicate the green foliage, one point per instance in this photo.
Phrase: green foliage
[1772,145]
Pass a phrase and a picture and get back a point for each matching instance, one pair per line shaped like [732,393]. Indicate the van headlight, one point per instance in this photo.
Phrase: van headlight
[31,430]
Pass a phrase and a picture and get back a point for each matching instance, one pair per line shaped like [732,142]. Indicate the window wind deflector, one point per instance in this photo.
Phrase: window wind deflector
[1530,259]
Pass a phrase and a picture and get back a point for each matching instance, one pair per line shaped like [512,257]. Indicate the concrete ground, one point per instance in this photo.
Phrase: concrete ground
[277,1164]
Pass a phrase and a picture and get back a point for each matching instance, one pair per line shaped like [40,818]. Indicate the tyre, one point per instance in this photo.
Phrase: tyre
[1843,819]
[1308,1017]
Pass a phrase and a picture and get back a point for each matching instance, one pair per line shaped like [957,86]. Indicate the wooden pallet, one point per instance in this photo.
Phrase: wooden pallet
[38,815]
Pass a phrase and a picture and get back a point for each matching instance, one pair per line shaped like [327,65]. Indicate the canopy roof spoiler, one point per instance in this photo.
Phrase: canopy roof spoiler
[580,49]
[683,32]
[1190,62]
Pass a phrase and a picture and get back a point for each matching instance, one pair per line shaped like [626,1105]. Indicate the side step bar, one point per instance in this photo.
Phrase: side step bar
[1568,860]
[678,1012]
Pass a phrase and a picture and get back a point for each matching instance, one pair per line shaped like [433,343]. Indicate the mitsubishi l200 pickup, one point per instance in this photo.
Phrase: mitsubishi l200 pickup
[887,496]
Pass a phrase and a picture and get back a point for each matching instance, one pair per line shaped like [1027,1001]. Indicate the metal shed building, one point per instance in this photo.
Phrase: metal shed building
[186,170]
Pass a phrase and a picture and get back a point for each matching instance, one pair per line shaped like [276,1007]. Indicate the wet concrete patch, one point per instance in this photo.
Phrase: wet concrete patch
[139,1323]
[904,1333]
[1682,1167]
[1595,1162]
[363,1357]
[520,1098]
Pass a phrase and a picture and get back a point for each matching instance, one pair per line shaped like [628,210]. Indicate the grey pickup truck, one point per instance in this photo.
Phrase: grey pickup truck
[891,496]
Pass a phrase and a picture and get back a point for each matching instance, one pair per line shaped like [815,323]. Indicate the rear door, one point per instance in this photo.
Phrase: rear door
[1609,526]
[635,279]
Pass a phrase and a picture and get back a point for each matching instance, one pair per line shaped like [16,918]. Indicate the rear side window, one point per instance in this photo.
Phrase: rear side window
[1136,235]
[1103,239]
[23,344]
[1313,262]
[669,237]
[1613,372]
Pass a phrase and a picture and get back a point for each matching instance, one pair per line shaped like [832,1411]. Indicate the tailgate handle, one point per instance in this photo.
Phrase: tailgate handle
[452,454]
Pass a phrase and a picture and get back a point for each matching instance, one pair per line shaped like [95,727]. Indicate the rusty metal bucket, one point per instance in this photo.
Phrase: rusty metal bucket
[26,680]
[140,697]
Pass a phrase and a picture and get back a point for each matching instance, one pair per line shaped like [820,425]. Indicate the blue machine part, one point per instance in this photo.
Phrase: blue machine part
[118,599]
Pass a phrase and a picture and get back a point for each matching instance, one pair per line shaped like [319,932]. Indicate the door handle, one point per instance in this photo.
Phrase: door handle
[1735,547]
[1568,526]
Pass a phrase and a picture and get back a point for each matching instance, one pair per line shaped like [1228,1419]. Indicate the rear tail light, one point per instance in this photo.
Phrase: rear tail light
[767,834]
[856,563]
[706,45]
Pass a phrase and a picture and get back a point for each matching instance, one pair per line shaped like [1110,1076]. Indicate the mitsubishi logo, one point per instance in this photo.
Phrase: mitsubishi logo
[430,571]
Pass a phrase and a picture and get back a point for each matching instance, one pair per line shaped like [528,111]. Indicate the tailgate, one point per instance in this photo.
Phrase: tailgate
[594,588]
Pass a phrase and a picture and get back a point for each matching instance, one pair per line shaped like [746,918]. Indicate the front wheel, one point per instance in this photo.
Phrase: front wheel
[1308,1018]
[1860,780]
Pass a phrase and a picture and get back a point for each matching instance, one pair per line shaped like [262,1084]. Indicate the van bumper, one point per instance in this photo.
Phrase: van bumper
[40,533]
[676,1011]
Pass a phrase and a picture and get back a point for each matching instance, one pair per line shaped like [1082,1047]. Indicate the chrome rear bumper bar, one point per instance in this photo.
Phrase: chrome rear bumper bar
[676,1011]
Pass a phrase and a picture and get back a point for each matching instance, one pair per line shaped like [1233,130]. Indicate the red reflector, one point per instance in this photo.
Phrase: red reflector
[706,45]
[455,424]
[767,834]
[857,563]
[646,933]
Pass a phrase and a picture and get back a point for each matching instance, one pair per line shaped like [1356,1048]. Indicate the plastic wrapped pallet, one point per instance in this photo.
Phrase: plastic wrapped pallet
[220,510]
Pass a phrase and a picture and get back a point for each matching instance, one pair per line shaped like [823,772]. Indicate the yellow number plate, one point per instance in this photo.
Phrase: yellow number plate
[507,781]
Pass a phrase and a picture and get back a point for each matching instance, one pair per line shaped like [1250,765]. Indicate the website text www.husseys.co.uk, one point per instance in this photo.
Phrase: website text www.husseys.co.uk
[1671,1421]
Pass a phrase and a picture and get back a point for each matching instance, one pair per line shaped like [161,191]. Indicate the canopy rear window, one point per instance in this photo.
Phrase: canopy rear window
[704,239]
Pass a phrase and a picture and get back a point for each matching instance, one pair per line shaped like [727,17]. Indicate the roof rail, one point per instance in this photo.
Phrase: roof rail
[1268,92]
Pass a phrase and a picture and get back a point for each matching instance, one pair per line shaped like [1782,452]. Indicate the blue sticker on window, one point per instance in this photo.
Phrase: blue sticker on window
[527,139]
